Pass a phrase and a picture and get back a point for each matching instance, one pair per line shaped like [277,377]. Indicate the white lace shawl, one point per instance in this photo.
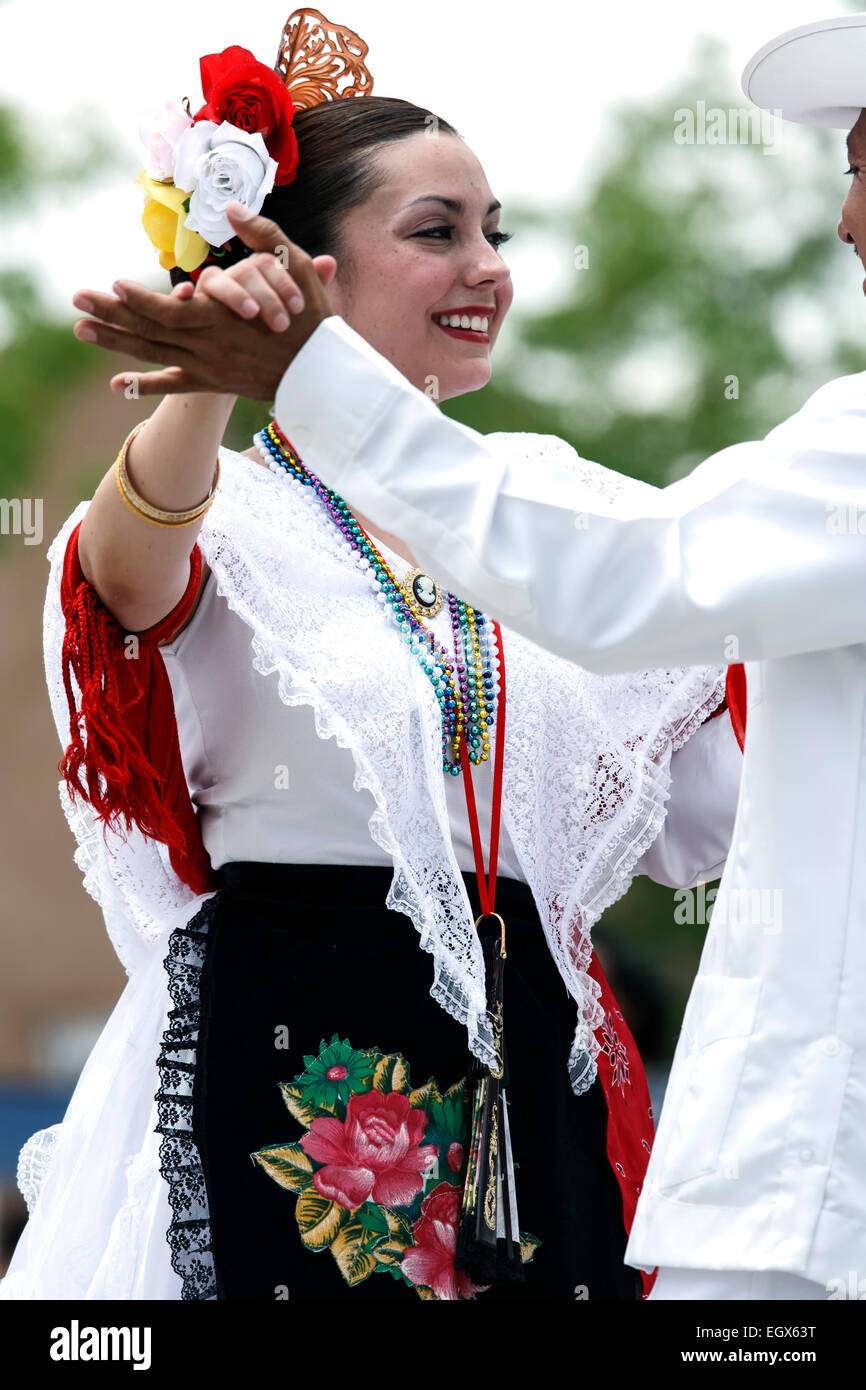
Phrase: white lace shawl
[586,763]
[586,770]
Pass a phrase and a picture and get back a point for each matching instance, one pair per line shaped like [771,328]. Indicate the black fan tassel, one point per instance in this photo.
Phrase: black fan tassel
[488,1235]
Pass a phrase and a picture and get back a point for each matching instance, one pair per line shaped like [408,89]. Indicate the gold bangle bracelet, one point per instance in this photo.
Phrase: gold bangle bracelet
[157,515]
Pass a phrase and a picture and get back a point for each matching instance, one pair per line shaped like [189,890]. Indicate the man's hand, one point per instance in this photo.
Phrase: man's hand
[205,345]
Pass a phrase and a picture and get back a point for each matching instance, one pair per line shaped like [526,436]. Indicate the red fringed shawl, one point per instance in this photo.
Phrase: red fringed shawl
[133,774]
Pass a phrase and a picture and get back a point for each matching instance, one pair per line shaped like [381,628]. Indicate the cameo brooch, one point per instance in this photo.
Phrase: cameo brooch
[422,594]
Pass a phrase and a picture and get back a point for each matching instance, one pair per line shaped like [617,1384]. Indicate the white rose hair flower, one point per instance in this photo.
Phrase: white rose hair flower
[216,163]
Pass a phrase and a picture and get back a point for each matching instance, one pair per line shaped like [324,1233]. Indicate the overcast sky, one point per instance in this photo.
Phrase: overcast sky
[528,86]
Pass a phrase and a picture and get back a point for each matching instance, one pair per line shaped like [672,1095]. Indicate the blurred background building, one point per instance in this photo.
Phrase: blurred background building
[674,294]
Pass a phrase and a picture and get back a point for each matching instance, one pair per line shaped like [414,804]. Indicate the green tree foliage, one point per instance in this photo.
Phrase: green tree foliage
[41,358]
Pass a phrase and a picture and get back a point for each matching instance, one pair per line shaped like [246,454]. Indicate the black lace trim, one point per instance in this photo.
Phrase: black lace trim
[189,1234]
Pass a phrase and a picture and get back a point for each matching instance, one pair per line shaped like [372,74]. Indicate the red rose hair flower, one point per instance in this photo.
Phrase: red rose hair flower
[239,89]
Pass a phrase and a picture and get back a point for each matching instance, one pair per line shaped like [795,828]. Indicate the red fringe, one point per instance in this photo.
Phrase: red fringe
[112,758]
[123,757]
[734,702]
[735,694]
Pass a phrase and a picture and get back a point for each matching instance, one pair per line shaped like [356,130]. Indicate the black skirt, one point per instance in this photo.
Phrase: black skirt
[305,1015]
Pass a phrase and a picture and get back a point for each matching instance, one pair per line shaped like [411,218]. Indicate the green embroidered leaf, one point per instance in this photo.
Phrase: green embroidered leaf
[398,1227]
[391,1256]
[293,1097]
[319,1219]
[451,1114]
[391,1074]
[287,1164]
[426,1097]
[352,1253]
[423,1292]
[399,1239]
[528,1246]
[372,1219]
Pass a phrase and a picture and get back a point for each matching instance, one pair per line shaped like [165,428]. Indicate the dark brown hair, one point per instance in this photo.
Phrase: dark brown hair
[335,170]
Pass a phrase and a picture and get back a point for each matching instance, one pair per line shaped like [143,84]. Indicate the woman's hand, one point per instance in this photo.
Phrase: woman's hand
[206,345]
[259,283]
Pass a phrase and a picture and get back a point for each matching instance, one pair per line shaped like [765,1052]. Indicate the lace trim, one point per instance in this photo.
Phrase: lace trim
[189,1233]
[34,1160]
[610,879]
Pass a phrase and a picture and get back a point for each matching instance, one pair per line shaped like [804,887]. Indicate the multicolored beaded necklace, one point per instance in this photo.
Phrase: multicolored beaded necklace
[466,684]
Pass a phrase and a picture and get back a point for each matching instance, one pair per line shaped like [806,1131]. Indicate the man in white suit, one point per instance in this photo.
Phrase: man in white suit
[756,1187]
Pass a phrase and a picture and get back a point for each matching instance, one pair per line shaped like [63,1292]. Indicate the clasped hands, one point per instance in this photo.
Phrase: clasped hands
[221,334]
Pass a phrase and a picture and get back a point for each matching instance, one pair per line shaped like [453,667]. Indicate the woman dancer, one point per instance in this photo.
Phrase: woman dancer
[296,751]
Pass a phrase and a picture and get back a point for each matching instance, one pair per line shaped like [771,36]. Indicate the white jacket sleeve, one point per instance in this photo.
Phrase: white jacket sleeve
[692,845]
[756,554]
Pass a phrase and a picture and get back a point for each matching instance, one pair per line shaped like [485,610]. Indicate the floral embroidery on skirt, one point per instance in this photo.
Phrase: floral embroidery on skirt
[379,1169]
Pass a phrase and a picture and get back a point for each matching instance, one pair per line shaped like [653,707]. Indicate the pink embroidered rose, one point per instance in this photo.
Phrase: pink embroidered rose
[375,1153]
[430,1260]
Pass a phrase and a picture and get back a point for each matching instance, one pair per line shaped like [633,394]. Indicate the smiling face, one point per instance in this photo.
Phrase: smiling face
[413,259]
[852,225]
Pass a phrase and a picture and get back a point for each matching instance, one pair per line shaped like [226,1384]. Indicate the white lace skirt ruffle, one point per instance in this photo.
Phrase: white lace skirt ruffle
[100,1208]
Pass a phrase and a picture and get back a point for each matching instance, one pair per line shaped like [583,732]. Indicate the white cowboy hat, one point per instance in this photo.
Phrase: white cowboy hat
[815,74]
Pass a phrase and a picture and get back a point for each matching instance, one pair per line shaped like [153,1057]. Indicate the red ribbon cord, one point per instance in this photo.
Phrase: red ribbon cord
[487,895]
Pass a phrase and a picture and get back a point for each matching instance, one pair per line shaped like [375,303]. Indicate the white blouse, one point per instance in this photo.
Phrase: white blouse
[267,788]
